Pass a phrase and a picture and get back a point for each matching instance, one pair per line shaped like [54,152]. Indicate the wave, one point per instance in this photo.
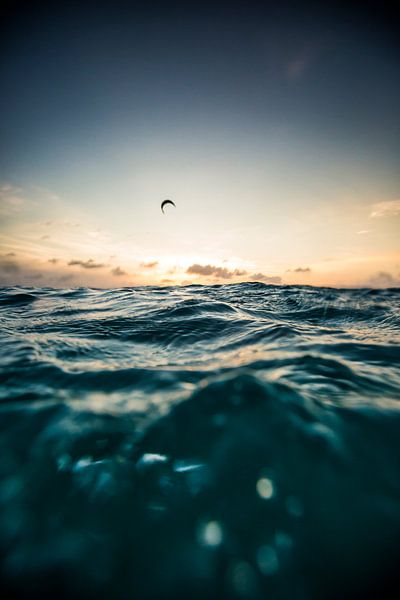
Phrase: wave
[228,441]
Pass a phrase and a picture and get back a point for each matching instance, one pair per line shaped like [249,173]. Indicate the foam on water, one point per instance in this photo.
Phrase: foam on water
[236,441]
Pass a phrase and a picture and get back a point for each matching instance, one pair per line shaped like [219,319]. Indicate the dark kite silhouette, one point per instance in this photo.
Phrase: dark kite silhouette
[165,202]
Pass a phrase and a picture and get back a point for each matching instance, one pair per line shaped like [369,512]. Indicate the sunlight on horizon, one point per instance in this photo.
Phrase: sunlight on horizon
[45,242]
[276,138]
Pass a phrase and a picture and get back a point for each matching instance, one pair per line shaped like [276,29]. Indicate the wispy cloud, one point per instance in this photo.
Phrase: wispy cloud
[302,270]
[71,224]
[118,272]
[86,264]
[7,188]
[34,276]
[65,278]
[53,261]
[149,265]
[390,208]
[11,201]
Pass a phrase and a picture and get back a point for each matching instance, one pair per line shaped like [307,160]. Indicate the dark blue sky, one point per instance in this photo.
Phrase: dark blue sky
[83,74]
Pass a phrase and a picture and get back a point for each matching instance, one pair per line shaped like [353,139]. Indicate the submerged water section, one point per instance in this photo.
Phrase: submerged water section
[236,441]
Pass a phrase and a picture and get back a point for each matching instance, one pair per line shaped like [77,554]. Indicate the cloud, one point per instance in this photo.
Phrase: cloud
[205,270]
[363,231]
[53,261]
[223,273]
[6,188]
[213,271]
[149,265]
[299,270]
[10,254]
[45,237]
[86,264]
[117,272]
[71,224]
[9,266]
[10,200]
[266,278]
[65,278]
[391,208]
[382,279]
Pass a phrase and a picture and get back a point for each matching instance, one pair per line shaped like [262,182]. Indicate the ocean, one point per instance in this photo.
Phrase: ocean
[210,442]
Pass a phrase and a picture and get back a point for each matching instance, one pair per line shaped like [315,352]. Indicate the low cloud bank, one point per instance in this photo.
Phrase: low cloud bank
[299,270]
[266,278]
[118,272]
[86,264]
[382,280]
[223,273]
[213,271]
[9,266]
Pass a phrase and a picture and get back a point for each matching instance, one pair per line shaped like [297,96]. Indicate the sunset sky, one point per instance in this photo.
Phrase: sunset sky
[275,132]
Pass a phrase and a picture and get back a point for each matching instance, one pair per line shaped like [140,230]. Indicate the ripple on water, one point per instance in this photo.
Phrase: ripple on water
[227,441]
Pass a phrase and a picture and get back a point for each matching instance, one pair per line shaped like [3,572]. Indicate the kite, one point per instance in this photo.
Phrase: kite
[165,202]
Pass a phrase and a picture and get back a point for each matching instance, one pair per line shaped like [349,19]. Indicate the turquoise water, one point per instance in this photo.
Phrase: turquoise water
[238,441]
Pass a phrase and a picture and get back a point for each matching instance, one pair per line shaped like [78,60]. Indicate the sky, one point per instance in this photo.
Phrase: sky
[273,127]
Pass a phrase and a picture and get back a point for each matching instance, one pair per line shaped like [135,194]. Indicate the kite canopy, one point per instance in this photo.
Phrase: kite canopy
[165,202]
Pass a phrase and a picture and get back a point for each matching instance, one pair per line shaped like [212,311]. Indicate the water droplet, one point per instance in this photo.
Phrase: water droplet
[294,506]
[64,462]
[82,463]
[157,508]
[243,579]
[10,488]
[267,560]
[148,460]
[265,488]
[219,420]
[283,541]
[210,534]
[183,466]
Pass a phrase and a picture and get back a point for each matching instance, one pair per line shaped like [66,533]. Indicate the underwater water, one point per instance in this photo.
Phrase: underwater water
[227,441]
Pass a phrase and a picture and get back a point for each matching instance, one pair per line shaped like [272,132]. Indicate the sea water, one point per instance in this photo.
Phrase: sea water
[226,441]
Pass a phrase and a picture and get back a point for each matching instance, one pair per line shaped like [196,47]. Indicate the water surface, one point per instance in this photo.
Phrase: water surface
[237,441]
